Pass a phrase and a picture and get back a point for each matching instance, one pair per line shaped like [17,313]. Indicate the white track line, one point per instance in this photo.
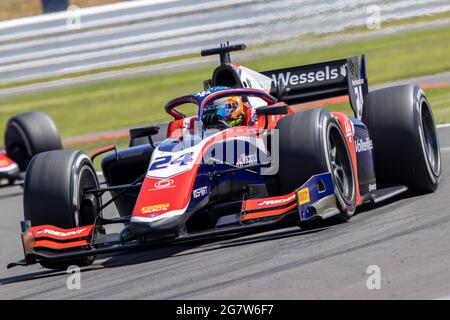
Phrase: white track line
[445,125]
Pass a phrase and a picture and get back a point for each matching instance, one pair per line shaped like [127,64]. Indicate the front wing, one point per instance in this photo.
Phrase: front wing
[313,199]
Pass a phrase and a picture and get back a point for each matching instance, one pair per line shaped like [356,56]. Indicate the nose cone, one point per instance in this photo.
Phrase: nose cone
[162,228]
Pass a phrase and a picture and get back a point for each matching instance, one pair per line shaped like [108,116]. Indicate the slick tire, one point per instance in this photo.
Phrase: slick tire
[312,142]
[53,195]
[28,134]
[406,145]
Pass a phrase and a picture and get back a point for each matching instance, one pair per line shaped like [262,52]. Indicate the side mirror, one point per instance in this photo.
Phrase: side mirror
[147,131]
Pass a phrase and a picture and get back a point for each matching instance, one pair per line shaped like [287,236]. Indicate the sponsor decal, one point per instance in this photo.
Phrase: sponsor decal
[200,192]
[349,129]
[364,145]
[59,233]
[164,183]
[277,201]
[325,74]
[156,207]
[303,196]
[244,159]
[372,187]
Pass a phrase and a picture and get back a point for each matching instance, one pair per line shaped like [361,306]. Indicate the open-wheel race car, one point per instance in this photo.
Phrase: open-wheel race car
[26,135]
[245,162]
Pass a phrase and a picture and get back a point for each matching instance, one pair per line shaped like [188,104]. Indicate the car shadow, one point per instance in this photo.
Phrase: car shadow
[41,274]
[205,245]
[394,200]
[169,251]
[228,241]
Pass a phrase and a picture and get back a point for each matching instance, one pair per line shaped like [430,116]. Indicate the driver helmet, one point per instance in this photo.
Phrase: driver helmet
[228,110]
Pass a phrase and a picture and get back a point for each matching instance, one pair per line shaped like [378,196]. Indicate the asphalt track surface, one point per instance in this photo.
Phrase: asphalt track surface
[408,238]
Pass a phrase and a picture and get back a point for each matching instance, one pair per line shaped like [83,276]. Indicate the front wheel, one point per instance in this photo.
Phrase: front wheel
[54,195]
[312,142]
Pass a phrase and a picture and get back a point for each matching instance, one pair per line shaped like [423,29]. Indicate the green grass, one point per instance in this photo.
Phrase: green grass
[440,102]
[107,105]
[90,147]
[127,102]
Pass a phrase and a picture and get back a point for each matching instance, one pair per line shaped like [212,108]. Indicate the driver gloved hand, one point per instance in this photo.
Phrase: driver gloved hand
[211,119]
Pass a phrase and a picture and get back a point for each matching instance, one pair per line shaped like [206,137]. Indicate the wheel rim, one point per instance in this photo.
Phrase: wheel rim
[430,140]
[340,165]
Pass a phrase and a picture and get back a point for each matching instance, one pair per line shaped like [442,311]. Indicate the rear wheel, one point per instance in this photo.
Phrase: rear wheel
[28,134]
[406,145]
[312,142]
[53,195]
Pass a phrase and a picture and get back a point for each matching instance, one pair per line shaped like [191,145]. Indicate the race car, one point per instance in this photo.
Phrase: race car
[245,162]
[26,135]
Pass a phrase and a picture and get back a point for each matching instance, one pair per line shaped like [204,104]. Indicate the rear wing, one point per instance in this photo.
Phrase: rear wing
[294,85]
[321,81]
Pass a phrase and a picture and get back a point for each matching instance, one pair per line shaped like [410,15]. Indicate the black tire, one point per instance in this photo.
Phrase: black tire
[28,134]
[406,144]
[53,193]
[307,141]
